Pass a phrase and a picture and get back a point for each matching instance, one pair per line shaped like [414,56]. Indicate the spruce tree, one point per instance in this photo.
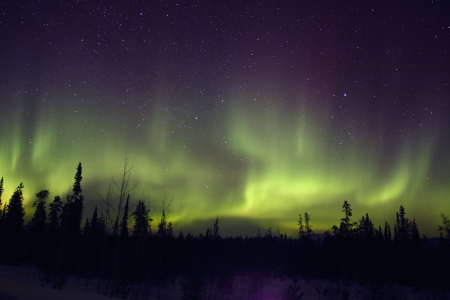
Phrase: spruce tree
[1,209]
[366,230]
[403,225]
[301,228]
[216,234]
[15,211]
[162,226]
[387,235]
[308,228]
[54,216]
[72,213]
[94,239]
[54,240]
[39,219]
[141,230]
[13,226]
[415,235]
[346,225]
[94,225]
[76,209]
[77,184]
[141,220]
[73,208]
[379,236]
[1,194]
[445,227]
[402,231]
[37,228]
[387,232]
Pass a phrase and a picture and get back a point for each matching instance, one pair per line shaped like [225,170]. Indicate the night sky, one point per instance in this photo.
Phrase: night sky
[252,111]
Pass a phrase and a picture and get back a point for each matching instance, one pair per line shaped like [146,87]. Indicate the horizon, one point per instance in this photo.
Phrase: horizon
[230,226]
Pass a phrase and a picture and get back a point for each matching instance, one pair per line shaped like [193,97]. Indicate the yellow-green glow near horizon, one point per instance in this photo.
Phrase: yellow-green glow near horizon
[257,166]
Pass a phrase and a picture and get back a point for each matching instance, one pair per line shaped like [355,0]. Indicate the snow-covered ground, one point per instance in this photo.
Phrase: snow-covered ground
[22,283]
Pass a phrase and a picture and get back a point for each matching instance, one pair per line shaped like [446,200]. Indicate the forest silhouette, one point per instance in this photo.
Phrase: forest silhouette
[118,249]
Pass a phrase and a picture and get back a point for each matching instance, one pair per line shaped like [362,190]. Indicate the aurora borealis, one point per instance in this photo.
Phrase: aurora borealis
[253,111]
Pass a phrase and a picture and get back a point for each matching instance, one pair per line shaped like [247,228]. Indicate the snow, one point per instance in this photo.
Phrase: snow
[22,283]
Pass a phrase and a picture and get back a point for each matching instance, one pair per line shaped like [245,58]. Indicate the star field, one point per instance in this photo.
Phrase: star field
[252,111]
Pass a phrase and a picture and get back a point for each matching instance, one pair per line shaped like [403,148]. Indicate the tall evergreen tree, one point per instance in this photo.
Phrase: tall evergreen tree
[335,230]
[387,232]
[346,225]
[162,226]
[301,228]
[15,211]
[76,203]
[141,219]
[308,228]
[14,216]
[94,240]
[94,225]
[387,235]
[216,234]
[77,184]
[54,215]
[54,239]
[40,214]
[403,230]
[13,227]
[445,227]
[1,194]
[379,237]
[403,225]
[366,230]
[1,209]
[37,227]
[415,235]
[69,243]
[72,212]
[141,230]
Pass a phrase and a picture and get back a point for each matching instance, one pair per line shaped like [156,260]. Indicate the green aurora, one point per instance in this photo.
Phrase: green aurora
[253,112]
[255,164]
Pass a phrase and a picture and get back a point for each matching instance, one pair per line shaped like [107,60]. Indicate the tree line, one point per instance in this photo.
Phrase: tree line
[117,249]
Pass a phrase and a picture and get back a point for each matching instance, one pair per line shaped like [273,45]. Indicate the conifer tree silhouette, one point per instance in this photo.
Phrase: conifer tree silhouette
[301,228]
[69,234]
[1,194]
[308,227]
[346,226]
[38,228]
[216,234]
[445,227]
[141,219]
[2,209]
[13,227]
